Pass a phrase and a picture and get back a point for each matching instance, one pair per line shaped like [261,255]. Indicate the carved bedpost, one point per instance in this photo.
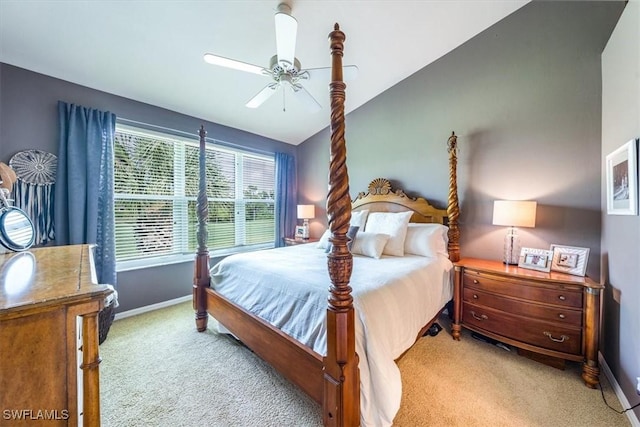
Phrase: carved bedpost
[453,210]
[201,277]
[341,399]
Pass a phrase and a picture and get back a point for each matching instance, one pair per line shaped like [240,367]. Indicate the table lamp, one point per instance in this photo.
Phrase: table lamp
[513,213]
[305,213]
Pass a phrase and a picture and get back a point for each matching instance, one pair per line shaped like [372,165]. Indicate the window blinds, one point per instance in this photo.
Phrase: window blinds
[156,186]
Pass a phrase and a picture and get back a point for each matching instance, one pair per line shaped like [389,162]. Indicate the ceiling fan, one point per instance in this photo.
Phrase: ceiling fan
[284,68]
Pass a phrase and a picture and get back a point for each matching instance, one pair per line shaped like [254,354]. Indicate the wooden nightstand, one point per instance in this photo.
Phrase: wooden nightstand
[550,314]
[290,241]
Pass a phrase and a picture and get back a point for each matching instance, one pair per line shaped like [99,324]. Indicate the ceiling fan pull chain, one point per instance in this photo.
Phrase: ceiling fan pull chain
[284,104]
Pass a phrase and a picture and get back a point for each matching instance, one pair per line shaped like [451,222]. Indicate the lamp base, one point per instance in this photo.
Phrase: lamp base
[305,232]
[511,254]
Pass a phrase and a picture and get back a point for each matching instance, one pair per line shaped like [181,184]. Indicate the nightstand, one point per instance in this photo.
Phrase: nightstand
[553,315]
[290,241]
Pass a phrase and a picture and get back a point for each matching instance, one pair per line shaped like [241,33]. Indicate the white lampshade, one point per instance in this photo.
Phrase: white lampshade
[514,213]
[306,211]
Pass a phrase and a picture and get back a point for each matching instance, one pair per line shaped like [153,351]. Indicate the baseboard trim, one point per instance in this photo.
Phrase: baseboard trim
[152,307]
[633,419]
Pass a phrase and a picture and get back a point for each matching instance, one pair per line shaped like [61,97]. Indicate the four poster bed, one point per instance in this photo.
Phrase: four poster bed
[344,348]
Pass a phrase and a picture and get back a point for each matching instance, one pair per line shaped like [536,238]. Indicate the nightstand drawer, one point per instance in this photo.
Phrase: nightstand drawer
[539,333]
[567,297]
[561,315]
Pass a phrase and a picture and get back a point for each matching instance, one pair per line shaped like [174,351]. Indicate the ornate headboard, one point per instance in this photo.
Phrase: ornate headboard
[381,197]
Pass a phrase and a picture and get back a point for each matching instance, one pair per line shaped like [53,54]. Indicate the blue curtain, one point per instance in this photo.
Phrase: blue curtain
[286,197]
[84,206]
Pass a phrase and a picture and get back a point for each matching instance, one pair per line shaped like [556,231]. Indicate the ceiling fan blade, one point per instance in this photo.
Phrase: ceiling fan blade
[263,95]
[349,72]
[286,29]
[305,97]
[232,63]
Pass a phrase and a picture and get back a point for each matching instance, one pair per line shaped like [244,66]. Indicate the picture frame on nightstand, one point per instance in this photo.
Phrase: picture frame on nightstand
[535,259]
[299,232]
[569,259]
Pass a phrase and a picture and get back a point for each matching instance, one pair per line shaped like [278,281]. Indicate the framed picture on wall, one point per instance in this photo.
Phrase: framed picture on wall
[622,180]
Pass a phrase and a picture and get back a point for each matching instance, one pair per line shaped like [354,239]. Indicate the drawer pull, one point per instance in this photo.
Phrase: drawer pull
[475,296]
[475,281]
[562,338]
[562,316]
[481,317]
[562,298]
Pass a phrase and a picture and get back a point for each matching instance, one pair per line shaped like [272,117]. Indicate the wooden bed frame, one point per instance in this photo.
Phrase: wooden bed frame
[332,380]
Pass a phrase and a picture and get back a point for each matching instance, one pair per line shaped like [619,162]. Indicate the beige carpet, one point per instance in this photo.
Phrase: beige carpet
[153,365]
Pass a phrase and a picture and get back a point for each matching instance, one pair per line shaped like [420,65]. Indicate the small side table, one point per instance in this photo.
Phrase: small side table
[291,241]
[550,314]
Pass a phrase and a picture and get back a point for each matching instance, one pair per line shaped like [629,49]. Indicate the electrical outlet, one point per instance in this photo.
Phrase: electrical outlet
[638,386]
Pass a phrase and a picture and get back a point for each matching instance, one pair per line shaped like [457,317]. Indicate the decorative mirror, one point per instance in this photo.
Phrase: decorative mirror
[16,229]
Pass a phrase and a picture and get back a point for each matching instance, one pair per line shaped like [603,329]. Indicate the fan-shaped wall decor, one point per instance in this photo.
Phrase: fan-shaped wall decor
[34,190]
[35,166]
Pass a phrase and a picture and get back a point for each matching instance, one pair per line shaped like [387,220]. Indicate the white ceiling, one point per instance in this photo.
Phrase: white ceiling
[152,51]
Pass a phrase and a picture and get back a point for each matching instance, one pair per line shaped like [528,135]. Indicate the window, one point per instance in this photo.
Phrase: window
[156,186]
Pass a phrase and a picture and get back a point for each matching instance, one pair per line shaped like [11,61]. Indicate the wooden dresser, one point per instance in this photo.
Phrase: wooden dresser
[551,314]
[49,305]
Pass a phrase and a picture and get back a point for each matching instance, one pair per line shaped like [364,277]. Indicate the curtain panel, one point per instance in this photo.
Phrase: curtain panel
[84,206]
[286,197]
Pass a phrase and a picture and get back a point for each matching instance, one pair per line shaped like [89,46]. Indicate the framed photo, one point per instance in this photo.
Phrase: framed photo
[570,259]
[535,259]
[622,180]
[299,232]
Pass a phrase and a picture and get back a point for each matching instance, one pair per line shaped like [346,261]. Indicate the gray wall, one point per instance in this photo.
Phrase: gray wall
[621,234]
[524,97]
[28,120]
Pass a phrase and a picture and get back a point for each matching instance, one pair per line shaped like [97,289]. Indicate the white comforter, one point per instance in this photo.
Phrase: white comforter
[394,298]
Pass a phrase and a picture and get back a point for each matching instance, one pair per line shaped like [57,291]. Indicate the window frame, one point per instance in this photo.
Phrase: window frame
[181,201]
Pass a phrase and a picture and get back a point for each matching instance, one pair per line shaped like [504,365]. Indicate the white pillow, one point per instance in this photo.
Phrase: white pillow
[323,243]
[392,223]
[358,218]
[369,244]
[426,239]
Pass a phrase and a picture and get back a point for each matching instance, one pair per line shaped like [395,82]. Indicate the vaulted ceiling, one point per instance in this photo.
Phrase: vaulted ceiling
[153,51]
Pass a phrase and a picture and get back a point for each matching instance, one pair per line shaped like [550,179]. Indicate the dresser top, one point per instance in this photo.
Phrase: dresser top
[498,267]
[49,275]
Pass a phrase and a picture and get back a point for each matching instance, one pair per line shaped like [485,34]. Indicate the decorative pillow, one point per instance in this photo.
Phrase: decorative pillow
[369,244]
[426,239]
[358,218]
[392,223]
[353,231]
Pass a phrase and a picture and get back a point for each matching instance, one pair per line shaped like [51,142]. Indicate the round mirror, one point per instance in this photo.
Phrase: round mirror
[16,229]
